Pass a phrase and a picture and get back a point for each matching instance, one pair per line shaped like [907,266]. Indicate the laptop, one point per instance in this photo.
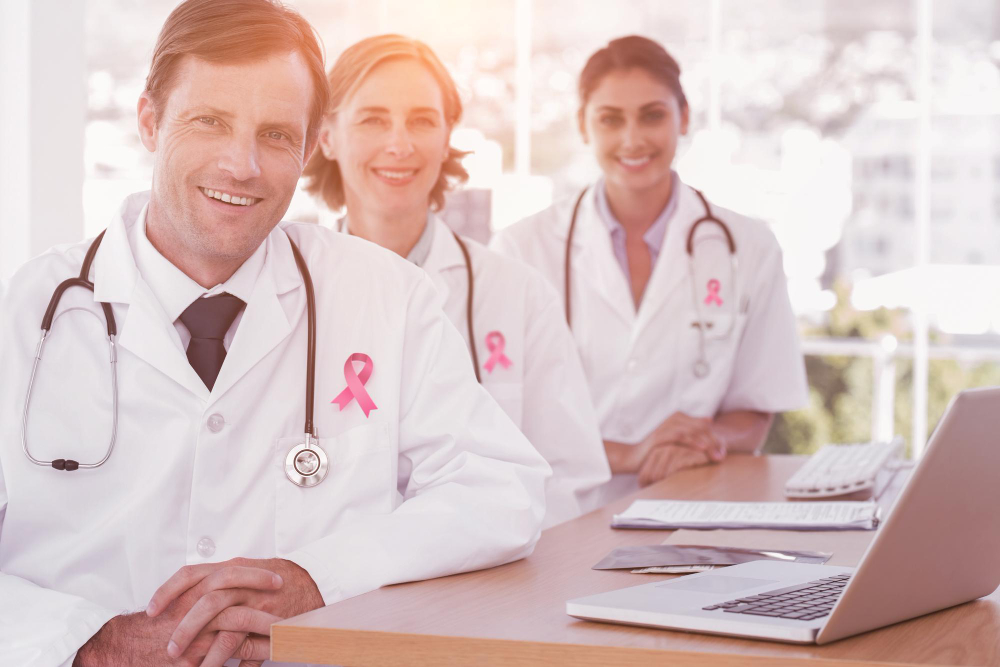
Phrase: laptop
[939,547]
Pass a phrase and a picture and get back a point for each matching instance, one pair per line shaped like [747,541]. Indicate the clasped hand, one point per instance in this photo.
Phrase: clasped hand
[680,442]
[206,614]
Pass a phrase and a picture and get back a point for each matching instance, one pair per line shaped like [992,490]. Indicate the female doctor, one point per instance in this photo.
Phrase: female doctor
[385,154]
[679,307]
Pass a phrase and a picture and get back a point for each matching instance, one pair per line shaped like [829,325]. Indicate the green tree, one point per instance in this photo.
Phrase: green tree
[840,388]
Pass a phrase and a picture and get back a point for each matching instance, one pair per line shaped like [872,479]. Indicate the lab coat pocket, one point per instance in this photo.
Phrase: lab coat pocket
[509,396]
[717,345]
[724,326]
[360,481]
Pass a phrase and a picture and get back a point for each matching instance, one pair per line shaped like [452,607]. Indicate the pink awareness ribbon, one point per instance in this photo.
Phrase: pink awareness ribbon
[713,292]
[495,343]
[355,389]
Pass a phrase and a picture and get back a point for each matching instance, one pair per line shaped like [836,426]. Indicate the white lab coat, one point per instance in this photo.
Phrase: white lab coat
[543,390]
[436,480]
[639,363]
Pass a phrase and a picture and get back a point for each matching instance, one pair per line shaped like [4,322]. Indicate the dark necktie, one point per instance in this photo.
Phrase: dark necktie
[208,320]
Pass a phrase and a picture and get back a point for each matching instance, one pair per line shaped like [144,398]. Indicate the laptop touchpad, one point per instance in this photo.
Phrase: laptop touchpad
[715,583]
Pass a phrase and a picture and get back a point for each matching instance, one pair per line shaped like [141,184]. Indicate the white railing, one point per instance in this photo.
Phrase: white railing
[883,353]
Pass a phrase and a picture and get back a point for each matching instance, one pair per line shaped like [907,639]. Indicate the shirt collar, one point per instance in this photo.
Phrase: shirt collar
[419,252]
[445,251]
[173,288]
[657,231]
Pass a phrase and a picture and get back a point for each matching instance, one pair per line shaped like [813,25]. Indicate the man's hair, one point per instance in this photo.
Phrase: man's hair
[236,31]
[323,177]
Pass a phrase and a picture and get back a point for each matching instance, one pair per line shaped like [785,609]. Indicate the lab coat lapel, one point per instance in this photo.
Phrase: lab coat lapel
[149,335]
[264,324]
[670,273]
[445,254]
[595,262]
[144,330]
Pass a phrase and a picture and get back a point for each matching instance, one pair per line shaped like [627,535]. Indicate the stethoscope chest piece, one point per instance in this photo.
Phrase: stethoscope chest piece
[700,368]
[306,464]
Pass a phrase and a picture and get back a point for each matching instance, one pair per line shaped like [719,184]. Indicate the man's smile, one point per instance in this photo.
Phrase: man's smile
[229,198]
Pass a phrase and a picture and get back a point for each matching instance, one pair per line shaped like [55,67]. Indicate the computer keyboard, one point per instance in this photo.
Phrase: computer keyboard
[840,469]
[803,602]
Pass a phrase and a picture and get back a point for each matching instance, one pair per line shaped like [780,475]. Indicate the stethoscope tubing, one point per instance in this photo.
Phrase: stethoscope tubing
[112,327]
[470,298]
[701,365]
[309,428]
[83,280]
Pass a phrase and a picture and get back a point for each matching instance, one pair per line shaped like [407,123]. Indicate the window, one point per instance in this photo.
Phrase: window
[805,113]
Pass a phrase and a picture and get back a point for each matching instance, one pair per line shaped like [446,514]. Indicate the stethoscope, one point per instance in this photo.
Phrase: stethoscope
[306,464]
[701,366]
[341,226]
[468,304]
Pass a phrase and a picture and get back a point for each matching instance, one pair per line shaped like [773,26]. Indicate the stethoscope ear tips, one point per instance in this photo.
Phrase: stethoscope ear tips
[65,464]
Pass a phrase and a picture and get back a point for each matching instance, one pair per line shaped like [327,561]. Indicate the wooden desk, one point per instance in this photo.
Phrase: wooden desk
[515,615]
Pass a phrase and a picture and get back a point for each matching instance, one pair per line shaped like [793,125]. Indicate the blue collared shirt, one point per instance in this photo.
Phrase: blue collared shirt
[654,235]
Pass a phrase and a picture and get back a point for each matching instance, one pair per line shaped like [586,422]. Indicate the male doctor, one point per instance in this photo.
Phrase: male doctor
[192,517]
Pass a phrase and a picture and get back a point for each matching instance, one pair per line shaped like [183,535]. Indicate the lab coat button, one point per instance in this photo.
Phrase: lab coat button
[216,423]
[206,547]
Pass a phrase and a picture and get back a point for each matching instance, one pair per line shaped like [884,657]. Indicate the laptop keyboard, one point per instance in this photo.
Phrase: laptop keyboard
[803,602]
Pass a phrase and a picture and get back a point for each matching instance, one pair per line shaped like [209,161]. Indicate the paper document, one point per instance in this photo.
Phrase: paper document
[671,514]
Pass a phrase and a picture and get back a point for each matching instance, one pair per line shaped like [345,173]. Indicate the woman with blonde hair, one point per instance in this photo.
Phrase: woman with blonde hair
[385,158]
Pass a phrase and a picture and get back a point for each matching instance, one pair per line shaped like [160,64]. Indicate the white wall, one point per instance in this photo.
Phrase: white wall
[43,106]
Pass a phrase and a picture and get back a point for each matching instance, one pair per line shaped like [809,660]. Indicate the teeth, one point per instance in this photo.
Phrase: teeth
[396,175]
[634,162]
[226,197]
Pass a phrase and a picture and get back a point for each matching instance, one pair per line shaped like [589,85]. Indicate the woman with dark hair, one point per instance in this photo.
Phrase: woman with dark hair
[679,307]
[385,158]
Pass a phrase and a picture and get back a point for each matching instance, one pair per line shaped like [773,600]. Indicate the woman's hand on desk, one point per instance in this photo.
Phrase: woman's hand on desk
[665,460]
[696,433]
[679,429]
